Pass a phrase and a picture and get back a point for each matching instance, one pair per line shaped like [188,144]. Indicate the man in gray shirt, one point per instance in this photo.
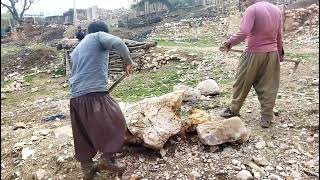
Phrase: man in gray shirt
[97,121]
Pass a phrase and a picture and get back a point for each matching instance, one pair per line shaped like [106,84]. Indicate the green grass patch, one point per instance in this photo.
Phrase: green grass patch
[5,83]
[225,80]
[163,42]
[45,87]
[184,114]
[43,92]
[60,71]
[9,50]
[193,82]
[41,46]
[148,84]
[28,78]
[312,57]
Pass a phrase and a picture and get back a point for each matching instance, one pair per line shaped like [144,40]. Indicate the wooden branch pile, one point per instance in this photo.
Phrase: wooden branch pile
[138,51]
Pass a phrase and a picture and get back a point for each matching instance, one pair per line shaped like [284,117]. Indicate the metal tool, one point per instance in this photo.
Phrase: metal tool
[296,63]
[117,82]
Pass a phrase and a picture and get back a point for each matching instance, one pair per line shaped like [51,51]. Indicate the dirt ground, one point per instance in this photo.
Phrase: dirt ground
[291,144]
[52,145]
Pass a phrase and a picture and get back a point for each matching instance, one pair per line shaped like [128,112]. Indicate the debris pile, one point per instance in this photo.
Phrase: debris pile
[29,60]
[140,21]
[43,34]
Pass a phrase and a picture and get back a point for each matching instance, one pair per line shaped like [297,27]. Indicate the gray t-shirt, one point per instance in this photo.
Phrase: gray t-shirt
[90,61]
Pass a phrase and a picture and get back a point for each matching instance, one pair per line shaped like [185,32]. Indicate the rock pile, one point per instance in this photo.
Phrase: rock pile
[189,31]
[28,59]
[140,21]
[153,121]
[297,19]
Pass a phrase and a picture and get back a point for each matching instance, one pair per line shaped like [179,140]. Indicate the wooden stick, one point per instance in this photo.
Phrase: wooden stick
[117,82]
[241,51]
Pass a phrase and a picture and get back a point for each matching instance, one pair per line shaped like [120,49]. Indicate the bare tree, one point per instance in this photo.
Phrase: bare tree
[11,6]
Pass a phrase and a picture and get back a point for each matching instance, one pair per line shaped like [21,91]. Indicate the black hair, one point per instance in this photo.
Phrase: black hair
[98,26]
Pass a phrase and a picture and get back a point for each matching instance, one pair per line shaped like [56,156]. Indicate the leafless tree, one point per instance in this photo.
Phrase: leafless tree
[11,6]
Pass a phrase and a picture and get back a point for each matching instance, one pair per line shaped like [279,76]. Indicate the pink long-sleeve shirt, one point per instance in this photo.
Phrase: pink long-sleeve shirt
[262,27]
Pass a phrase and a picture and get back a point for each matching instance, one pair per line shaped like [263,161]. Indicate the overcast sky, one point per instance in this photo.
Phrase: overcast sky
[57,7]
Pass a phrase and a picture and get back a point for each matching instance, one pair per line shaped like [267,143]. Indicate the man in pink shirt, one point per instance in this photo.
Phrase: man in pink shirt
[259,66]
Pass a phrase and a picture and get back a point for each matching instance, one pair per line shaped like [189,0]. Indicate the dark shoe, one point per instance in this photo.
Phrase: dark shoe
[264,123]
[228,113]
[89,171]
[112,165]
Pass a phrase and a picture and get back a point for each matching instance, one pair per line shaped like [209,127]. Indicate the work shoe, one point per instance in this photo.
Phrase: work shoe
[112,165]
[228,113]
[89,171]
[264,123]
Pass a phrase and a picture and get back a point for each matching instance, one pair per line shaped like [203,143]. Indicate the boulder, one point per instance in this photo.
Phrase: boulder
[153,121]
[219,132]
[208,87]
[190,94]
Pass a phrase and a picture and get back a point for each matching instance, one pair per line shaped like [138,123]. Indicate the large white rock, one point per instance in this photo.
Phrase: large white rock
[190,94]
[219,132]
[153,121]
[208,87]
[244,175]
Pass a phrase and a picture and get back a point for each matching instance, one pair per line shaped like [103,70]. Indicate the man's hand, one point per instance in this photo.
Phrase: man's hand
[226,47]
[281,55]
[281,58]
[129,69]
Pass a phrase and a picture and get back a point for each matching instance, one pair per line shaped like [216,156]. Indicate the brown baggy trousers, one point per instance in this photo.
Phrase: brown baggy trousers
[97,124]
[262,71]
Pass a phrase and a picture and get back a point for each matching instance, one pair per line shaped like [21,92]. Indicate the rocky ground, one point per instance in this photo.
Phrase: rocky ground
[37,140]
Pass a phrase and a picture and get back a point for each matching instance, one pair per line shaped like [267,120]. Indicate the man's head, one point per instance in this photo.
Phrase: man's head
[98,26]
[249,2]
[79,28]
